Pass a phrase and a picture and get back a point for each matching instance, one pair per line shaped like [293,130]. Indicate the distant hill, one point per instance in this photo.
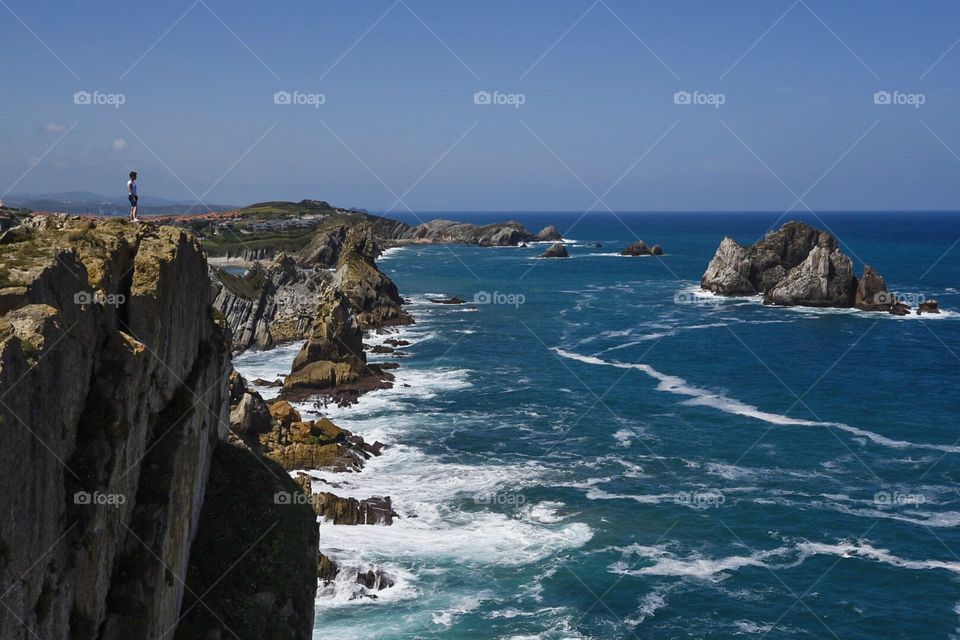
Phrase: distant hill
[87,202]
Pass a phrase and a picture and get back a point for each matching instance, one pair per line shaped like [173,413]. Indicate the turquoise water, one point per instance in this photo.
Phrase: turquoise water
[603,452]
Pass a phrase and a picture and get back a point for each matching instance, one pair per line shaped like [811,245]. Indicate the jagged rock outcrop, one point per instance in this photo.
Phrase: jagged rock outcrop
[249,413]
[114,396]
[505,234]
[556,250]
[324,248]
[375,300]
[795,265]
[549,234]
[872,292]
[350,511]
[296,444]
[640,248]
[272,303]
[928,306]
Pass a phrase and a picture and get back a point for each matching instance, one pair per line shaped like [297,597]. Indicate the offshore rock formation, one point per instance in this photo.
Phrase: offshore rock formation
[350,511]
[273,302]
[549,234]
[505,234]
[556,250]
[640,248]
[795,265]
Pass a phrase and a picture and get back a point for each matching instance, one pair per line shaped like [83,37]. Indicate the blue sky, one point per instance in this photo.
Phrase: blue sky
[597,80]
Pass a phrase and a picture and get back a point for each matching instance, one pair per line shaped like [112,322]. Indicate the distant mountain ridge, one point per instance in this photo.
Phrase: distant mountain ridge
[89,202]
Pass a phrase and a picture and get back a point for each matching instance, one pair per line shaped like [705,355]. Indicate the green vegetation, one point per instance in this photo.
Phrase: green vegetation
[236,242]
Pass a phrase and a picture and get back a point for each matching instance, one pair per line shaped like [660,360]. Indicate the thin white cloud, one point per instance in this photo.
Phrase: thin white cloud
[119,144]
[54,128]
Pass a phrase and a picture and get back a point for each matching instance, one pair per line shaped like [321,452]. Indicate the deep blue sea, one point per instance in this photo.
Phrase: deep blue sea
[602,451]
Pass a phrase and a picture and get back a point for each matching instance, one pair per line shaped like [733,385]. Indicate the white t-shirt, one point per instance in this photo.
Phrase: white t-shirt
[131,187]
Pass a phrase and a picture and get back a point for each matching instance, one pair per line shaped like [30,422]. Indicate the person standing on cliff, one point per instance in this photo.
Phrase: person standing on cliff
[132,196]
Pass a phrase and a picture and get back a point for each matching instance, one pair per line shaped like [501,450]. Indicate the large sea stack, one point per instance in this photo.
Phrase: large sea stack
[796,265]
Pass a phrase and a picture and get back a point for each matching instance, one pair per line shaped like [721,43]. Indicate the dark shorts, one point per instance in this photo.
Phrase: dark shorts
[133,200]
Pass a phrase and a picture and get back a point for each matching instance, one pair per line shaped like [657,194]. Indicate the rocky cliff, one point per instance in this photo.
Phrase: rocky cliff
[113,400]
[273,302]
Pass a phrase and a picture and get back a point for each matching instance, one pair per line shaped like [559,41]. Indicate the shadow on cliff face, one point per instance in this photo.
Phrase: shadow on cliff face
[252,571]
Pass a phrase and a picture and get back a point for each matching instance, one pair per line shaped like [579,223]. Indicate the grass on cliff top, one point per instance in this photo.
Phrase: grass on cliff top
[248,548]
[288,241]
[235,243]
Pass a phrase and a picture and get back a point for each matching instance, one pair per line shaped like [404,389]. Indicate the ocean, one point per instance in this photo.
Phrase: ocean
[597,449]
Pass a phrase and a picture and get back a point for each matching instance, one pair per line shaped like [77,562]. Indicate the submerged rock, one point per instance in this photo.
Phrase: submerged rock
[556,250]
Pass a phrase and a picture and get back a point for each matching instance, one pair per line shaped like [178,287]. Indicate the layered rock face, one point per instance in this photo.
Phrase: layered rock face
[272,303]
[374,298]
[795,265]
[114,394]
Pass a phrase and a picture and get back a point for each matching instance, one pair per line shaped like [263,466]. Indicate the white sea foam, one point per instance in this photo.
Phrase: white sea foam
[666,563]
[702,397]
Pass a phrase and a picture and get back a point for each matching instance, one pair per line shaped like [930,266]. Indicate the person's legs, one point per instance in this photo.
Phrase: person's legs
[133,207]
